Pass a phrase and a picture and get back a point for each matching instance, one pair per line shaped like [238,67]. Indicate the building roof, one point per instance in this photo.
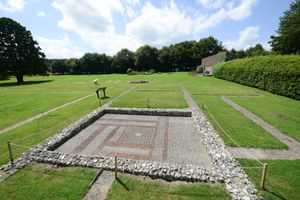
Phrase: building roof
[212,60]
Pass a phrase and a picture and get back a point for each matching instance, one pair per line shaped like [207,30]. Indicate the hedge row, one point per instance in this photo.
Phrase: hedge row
[276,74]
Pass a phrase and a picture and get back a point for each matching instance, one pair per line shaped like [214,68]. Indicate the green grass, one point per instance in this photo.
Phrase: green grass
[241,129]
[282,180]
[133,188]
[281,112]
[40,181]
[152,97]
[39,94]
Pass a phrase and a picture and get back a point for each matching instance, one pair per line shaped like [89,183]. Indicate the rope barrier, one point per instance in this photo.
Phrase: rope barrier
[230,137]
[20,145]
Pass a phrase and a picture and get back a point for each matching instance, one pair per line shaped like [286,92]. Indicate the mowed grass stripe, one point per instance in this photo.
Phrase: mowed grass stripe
[2,131]
[18,107]
[241,129]
[282,178]
[152,96]
[134,188]
[282,112]
[41,181]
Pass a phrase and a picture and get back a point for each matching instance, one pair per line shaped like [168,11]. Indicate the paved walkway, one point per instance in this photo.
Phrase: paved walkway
[101,186]
[294,147]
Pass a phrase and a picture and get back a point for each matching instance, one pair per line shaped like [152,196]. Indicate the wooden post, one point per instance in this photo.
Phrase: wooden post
[147,102]
[116,167]
[263,176]
[10,154]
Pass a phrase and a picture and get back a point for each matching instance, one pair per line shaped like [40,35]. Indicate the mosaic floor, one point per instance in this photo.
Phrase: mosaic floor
[140,137]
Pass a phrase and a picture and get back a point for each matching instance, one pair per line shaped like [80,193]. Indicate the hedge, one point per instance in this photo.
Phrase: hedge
[276,74]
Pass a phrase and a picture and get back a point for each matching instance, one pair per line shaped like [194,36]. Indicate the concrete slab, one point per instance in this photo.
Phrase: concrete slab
[156,138]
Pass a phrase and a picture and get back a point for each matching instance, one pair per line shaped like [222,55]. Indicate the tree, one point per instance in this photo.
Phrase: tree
[288,39]
[209,46]
[19,53]
[123,60]
[186,55]
[166,59]
[257,50]
[146,58]
[233,54]
[60,66]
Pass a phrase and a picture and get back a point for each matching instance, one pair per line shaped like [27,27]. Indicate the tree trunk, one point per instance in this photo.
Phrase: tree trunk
[20,78]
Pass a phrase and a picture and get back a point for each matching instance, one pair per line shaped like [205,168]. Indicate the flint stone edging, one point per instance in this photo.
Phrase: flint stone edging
[169,172]
[224,164]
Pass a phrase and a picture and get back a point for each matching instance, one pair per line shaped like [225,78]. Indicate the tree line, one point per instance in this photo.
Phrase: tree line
[183,56]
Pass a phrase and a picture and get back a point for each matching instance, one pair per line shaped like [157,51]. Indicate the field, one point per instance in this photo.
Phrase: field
[40,94]
[127,187]
[40,181]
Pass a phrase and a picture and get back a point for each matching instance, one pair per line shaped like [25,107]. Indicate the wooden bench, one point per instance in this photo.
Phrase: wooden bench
[101,89]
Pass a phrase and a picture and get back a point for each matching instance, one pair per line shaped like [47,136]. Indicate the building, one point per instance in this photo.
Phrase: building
[209,62]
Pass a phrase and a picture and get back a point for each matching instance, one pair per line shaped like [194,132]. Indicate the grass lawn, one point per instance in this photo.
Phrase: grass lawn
[283,178]
[241,129]
[153,96]
[41,181]
[39,94]
[133,188]
[281,112]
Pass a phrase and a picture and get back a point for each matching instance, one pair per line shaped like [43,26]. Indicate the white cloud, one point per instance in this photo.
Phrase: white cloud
[41,14]
[12,5]
[242,11]
[159,26]
[231,10]
[94,21]
[59,48]
[211,3]
[248,37]
[131,12]
[134,2]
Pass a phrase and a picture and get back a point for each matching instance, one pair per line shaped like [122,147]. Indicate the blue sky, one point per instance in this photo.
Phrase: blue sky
[70,28]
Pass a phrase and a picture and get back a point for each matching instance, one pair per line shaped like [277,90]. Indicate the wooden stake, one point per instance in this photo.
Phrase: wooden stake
[10,154]
[116,167]
[263,176]
[147,102]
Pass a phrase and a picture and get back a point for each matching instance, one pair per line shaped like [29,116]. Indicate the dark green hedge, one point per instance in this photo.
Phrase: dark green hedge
[276,74]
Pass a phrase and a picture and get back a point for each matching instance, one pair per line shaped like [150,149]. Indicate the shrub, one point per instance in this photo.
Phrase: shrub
[152,71]
[276,74]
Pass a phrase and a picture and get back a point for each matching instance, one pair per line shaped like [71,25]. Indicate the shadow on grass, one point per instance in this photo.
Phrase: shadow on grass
[25,83]
[103,98]
[123,184]
[275,194]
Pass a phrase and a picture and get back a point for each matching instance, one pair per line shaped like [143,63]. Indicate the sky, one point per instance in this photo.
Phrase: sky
[70,28]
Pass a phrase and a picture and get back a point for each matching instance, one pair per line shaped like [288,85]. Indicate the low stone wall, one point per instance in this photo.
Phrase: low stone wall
[169,172]
[148,111]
